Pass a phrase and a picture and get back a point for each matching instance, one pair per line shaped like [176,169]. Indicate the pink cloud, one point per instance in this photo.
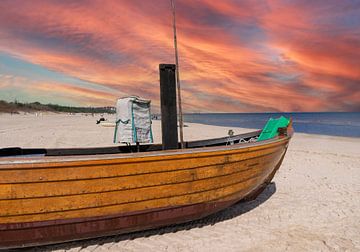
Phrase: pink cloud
[267,55]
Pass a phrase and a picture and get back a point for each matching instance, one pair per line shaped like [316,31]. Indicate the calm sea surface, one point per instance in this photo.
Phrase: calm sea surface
[332,123]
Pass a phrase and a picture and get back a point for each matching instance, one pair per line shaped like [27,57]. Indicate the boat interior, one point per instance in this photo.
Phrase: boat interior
[230,140]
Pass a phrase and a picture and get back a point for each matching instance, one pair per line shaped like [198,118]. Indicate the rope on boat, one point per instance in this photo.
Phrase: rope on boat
[242,140]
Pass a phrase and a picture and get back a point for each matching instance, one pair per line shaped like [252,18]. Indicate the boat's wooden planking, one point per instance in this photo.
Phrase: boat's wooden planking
[26,190]
[33,192]
[45,169]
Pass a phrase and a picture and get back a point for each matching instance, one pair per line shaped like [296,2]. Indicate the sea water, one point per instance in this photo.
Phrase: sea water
[324,123]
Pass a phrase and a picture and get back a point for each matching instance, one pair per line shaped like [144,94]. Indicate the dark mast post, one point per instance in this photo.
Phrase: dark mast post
[168,106]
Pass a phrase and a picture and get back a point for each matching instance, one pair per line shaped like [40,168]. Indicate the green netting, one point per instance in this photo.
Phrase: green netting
[271,128]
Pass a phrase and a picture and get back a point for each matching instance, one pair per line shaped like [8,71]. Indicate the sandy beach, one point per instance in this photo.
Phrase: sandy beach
[312,205]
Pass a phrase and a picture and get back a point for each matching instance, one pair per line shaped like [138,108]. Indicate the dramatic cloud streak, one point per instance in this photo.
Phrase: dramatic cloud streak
[235,55]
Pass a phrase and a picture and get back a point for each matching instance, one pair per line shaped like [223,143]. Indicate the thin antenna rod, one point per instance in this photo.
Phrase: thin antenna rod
[181,123]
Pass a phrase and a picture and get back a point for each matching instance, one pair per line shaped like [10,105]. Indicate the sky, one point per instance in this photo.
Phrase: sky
[235,55]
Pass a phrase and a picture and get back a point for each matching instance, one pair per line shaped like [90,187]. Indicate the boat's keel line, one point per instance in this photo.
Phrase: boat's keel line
[46,232]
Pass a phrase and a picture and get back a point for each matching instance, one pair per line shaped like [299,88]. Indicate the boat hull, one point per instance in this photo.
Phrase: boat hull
[42,233]
[52,200]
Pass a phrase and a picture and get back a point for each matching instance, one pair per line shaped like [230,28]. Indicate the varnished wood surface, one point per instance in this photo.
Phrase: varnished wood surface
[126,186]
[42,190]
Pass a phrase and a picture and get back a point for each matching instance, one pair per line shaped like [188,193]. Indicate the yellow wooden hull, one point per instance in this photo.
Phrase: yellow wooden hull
[56,199]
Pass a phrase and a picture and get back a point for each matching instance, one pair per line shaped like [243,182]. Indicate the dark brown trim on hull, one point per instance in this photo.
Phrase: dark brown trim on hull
[16,151]
[50,232]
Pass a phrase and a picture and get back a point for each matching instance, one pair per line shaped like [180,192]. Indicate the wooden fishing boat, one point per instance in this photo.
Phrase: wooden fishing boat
[57,195]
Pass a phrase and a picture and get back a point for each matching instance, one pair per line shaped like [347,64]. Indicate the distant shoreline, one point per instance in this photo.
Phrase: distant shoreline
[17,107]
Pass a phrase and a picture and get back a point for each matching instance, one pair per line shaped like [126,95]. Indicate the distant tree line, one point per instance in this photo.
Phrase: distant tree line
[16,107]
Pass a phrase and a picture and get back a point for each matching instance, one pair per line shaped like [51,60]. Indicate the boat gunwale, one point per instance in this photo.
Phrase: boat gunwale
[122,158]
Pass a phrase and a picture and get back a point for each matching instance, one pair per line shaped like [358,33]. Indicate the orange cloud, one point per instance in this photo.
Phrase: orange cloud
[254,56]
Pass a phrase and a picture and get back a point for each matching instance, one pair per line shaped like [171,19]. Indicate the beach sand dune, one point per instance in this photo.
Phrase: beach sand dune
[313,203]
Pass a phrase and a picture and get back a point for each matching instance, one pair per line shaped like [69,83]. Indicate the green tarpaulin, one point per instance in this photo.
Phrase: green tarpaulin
[271,128]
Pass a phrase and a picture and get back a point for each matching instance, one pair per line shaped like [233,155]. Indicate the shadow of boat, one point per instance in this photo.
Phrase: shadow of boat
[233,211]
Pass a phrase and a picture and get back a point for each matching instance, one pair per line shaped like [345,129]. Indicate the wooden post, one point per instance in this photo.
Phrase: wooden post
[168,106]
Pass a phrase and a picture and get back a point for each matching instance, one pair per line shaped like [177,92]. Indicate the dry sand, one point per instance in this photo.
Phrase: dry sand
[312,204]
[63,130]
